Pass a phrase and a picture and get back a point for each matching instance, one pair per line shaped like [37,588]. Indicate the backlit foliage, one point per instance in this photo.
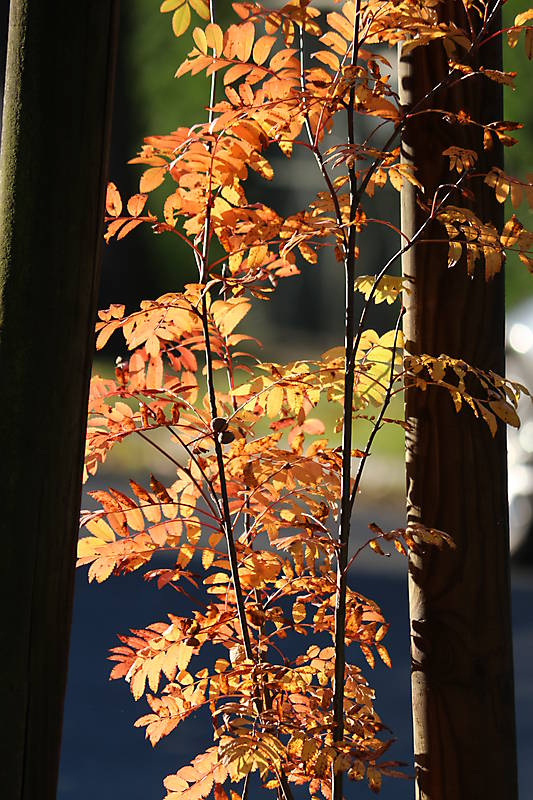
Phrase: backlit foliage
[256,522]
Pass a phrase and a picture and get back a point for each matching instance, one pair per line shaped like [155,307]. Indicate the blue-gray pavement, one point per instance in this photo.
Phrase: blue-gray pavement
[105,758]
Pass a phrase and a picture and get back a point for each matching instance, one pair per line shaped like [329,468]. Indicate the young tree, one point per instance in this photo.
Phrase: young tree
[55,136]
[262,500]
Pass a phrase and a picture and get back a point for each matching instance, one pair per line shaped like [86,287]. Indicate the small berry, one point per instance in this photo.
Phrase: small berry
[219,424]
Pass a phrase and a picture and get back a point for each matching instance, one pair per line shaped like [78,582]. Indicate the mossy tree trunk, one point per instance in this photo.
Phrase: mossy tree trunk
[53,169]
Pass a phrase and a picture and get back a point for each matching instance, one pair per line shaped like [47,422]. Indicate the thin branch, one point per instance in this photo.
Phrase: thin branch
[314,144]
[181,467]
[345,508]
[379,420]
[381,274]
[228,530]
[206,478]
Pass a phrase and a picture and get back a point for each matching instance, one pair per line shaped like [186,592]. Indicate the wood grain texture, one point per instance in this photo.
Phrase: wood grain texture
[462,667]
[53,169]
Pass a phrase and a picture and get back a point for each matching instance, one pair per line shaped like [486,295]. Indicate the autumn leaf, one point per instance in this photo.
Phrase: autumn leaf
[136,204]
[181,19]
[505,412]
[113,201]
[101,530]
[152,178]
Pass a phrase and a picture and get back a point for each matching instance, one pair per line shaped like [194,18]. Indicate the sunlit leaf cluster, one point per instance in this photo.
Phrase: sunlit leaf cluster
[252,524]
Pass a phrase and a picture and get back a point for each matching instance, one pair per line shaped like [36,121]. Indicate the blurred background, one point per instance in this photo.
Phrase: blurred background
[103,755]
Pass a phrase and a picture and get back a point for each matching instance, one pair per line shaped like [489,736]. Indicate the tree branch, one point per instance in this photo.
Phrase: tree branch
[345,505]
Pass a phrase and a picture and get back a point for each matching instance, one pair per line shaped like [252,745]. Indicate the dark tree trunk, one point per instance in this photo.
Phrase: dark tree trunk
[53,169]
[462,665]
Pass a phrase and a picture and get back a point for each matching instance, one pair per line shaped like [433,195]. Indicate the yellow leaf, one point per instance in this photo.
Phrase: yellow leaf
[101,530]
[138,682]
[388,289]
[201,7]
[257,256]
[134,518]
[524,17]
[181,20]
[228,314]
[395,178]
[214,37]
[185,555]
[184,656]
[505,412]
[154,671]
[170,5]
[274,401]
[298,612]
[88,546]
[200,40]
[388,339]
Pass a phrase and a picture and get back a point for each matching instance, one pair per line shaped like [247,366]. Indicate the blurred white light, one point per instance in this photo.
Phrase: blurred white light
[526,436]
[521,338]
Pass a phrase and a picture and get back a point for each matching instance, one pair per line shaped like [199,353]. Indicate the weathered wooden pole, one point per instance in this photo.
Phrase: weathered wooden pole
[53,170]
[462,664]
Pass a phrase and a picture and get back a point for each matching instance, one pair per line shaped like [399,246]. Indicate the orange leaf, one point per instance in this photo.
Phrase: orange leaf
[236,72]
[128,227]
[328,58]
[159,490]
[113,202]
[383,654]
[152,178]
[368,654]
[245,41]
[282,59]
[136,204]
[214,38]
[113,227]
[262,48]
[200,40]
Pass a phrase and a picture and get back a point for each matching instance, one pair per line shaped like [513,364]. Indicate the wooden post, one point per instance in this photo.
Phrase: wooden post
[462,664]
[53,170]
